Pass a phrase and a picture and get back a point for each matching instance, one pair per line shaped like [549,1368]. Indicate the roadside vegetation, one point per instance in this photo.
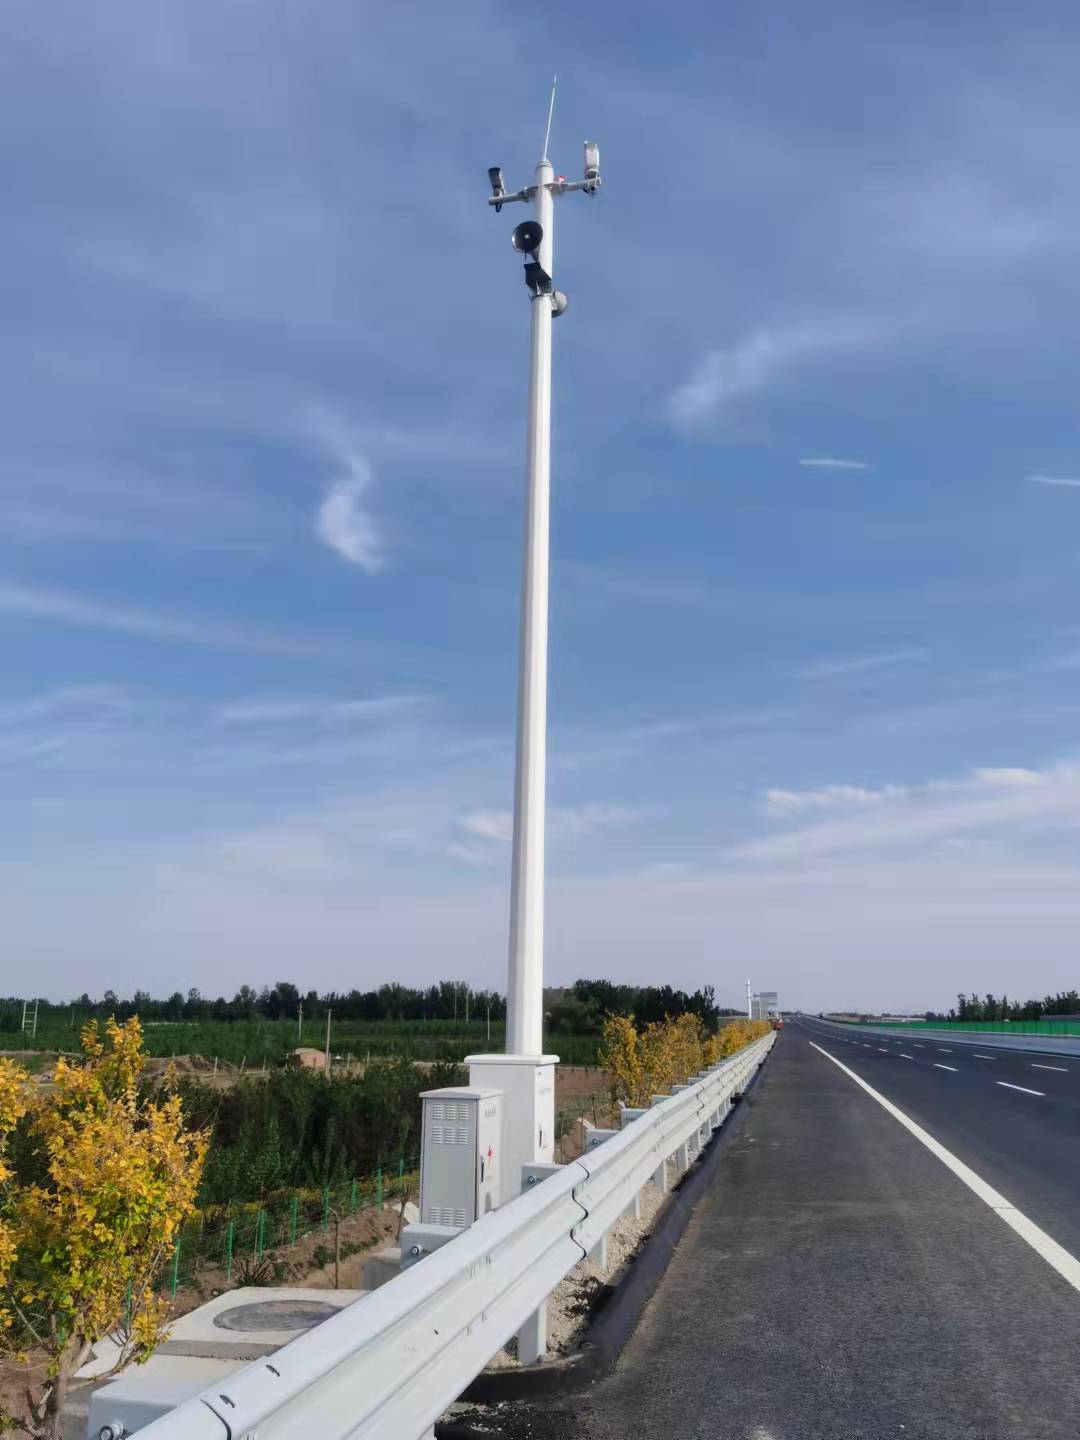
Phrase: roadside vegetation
[97,1176]
[646,1060]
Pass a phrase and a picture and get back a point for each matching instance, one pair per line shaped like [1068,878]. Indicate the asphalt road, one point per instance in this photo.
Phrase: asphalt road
[839,1282]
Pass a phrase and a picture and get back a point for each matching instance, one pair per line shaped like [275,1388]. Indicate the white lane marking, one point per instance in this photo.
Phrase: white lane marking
[883,1050]
[938,1066]
[942,1051]
[977,1056]
[906,1057]
[1041,1093]
[918,1046]
[1061,1069]
[1067,1266]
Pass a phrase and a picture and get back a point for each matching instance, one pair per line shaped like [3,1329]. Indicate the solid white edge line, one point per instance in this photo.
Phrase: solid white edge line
[1041,1093]
[1061,1069]
[938,1066]
[1066,1265]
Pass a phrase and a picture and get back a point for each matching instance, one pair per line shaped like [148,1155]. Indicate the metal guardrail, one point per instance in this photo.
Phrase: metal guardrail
[388,1366]
[994,1039]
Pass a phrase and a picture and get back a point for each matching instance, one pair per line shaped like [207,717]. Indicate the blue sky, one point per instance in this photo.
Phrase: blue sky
[814,643]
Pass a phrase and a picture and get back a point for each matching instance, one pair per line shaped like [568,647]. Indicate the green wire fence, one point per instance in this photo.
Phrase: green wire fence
[228,1241]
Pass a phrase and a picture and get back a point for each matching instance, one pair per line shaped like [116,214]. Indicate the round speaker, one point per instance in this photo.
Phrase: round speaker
[527,237]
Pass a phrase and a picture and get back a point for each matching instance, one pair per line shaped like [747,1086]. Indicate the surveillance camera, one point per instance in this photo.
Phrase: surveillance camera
[559,303]
[592,166]
[527,237]
[498,186]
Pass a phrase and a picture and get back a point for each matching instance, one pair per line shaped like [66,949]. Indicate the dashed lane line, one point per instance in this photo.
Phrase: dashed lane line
[977,1056]
[1061,1069]
[1055,1255]
[1041,1093]
[906,1057]
[938,1066]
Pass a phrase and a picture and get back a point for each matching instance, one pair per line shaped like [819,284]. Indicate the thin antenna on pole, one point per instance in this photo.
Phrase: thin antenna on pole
[551,111]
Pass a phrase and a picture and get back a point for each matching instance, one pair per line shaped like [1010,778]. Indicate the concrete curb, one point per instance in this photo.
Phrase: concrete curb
[616,1321]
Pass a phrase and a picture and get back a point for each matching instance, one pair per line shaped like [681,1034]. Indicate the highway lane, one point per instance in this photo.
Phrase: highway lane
[839,1282]
[1014,1118]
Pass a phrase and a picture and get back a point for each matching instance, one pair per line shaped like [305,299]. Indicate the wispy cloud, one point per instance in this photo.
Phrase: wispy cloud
[788,803]
[827,668]
[762,360]
[1052,480]
[343,522]
[831,462]
[278,712]
[62,607]
[562,821]
[863,821]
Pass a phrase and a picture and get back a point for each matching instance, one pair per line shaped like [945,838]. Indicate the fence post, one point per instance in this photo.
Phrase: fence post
[326,1207]
[175,1270]
[230,1231]
[292,1218]
[378,1188]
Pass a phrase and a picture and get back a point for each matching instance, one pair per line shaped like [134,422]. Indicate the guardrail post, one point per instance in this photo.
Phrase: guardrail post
[659,1177]
[633,1210]
[682,1156]
[598,1254]
[532,1337]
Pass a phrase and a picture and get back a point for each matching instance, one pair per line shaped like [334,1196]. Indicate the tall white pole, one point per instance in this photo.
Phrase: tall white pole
[749,1002]
[525,1018]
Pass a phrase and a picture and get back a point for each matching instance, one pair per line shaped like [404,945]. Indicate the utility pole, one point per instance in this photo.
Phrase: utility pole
[534,239]
[489,1020]
[300,1023]
[328,1014]
[466,1004]
[33,1033]
[749,1002]
[525,1075]
[22,1027]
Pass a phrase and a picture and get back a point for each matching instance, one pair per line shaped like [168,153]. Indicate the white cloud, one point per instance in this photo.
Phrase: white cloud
[1051,480]
[826,668]
[830,462]
[62,607]
[786,803]
[870,821]
[760,361]
[490,824]
[272,712]
[562,821]
[343,522]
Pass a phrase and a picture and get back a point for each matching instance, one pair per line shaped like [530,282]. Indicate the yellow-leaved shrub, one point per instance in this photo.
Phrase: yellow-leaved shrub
[647,1062]
[107,1176]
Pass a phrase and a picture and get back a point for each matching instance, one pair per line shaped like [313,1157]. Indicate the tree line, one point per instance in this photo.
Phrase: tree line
[579,1009]
[990,1007]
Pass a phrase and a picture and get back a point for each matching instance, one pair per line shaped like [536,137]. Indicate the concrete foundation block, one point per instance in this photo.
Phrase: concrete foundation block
[381,1266]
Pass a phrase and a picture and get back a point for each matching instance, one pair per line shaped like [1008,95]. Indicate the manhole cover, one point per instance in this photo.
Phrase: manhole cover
[276,1315]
